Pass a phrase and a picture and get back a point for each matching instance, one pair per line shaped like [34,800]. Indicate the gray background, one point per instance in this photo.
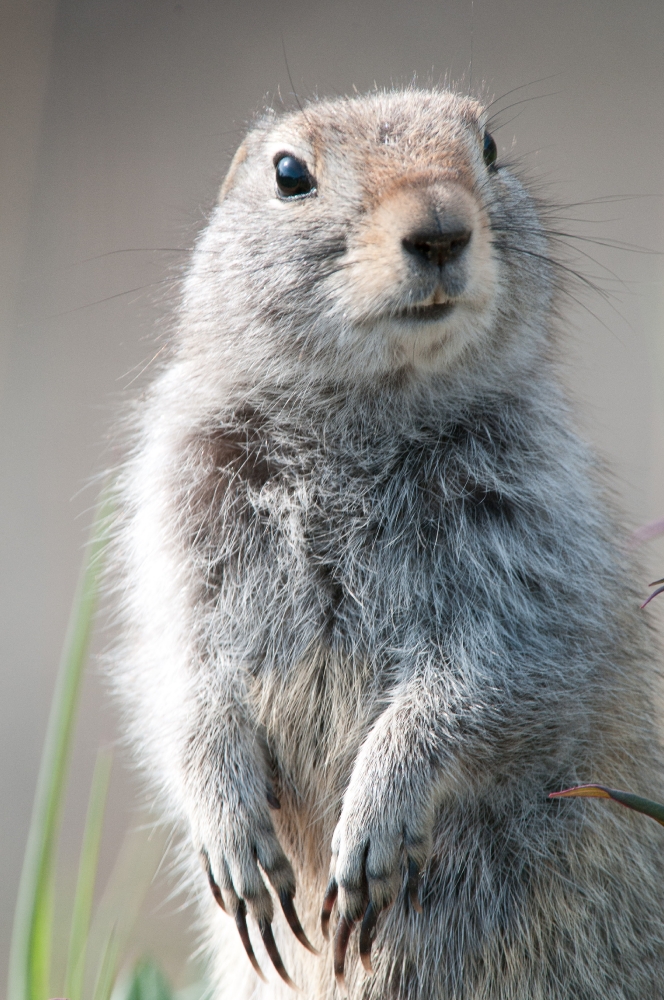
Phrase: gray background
[118,119]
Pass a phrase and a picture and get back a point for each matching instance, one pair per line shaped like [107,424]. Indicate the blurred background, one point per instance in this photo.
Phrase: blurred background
[118,119]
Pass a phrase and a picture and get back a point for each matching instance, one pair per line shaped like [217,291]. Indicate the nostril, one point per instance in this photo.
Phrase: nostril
[437,248]
[459,242]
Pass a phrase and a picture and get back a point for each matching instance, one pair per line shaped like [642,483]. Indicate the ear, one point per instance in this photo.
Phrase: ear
[239,158]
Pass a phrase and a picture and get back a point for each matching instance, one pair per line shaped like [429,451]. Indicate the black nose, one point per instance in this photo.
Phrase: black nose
[436,247]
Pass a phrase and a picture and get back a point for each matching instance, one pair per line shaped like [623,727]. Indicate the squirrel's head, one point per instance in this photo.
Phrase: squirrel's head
[364,237]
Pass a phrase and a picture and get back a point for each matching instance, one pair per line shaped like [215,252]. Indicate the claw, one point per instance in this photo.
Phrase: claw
[328,904]
[286,900]
[268,940]
[413,885]
[216,891]
[341,939]
[367,935]
[241,923]
[655,593]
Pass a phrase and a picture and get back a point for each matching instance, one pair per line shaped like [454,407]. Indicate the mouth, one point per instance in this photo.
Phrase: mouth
[426,312]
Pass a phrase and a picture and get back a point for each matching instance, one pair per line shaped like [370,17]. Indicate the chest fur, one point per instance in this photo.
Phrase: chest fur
[304,549]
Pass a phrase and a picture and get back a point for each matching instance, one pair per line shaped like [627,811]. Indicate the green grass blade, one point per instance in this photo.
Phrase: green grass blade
[199,990]
[85,885]
[118,910]
[646,806]
[31,938]
[636,802]
[107,967]
[148,983]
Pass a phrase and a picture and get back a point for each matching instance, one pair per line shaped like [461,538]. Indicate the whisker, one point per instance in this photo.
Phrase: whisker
[525,100]
[290,78]
[522,86]
[561,239]
[112,253]
[564,289]
[554,263]
[116,295]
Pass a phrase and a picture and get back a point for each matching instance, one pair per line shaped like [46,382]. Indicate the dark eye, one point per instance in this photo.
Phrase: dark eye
[293,177]
[490,150]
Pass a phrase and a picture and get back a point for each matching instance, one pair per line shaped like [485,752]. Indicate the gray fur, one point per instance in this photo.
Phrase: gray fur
[368,567]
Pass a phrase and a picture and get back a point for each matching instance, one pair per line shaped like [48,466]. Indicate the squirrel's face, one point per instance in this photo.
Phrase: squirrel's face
[358,237]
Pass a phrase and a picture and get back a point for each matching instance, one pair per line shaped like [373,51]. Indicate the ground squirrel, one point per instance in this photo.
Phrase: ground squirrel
[376,607]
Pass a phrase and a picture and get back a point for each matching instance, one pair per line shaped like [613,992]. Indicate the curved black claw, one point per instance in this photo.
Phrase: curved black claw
[367,935]
[265,928]
[655,593]
[241,923]
[216,891]
[331,894]
[286,900]
[341,938]
[413,885]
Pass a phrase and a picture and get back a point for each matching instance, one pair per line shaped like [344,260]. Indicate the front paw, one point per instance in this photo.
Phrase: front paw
[382,841]
[235,856]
